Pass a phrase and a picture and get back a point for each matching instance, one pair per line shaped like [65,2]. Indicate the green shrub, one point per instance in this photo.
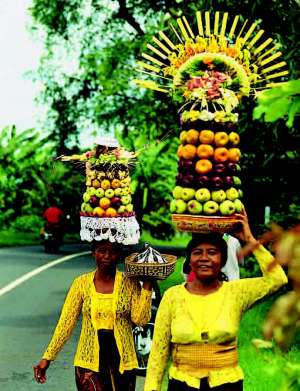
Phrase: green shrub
[27,223]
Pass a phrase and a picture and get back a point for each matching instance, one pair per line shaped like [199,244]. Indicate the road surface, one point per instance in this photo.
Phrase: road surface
[29,312]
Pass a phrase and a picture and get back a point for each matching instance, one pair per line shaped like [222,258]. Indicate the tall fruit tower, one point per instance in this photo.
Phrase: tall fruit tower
[207,67]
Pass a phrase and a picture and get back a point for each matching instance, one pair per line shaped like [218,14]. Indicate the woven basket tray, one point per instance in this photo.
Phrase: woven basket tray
[159,271]
[205,224]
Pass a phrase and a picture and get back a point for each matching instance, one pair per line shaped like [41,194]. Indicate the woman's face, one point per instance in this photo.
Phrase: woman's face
[206,261]
[106,255]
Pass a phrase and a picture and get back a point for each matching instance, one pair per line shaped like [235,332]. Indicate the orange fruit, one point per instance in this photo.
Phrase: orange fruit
[234,154]
[192,136]
[221,154]
[206,136]
[203,166]
[205,151]
[189,151]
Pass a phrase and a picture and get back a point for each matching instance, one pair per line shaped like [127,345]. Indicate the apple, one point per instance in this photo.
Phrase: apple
[186,165]
[234,138]
[88,182]
[234,154]
[99,192]
[118,191]
[125,182]
[111,212]
[96,183]
[221,139]
[182,136]
[236,180]
[98,211]
[177,192]
[187,179]
[220,168]
[187,193]
[86,197]
[129,208]
[115,202]
[109,193]
[217,182]
[232,168]
[89,209]
[126,199]
[206,136]
[192,136]
[210,207]
[194,207]
[239,206]
[121,209]
[83,206]
[115,183]
[203,166]
[232,194]
[125,190]
[189,151]
[241,194]
[105,184]
[202,194]
[227,208]
[180,206]
[221,154]
[104,202]
[94,201]
[218,195]
[202,180]
[91,191]
[228,181]
[205,151]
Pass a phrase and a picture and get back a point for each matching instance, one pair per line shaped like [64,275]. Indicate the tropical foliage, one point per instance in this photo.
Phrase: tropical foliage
[30,179]
[91,48]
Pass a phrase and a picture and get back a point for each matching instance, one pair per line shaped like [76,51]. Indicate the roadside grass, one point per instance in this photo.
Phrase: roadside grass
[263,369]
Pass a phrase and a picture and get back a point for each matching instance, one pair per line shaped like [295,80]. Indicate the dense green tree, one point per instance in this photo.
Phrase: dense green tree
[31,179]
[91,48]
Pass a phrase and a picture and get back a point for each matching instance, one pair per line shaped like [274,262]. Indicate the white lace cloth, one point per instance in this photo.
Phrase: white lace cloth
[124,230]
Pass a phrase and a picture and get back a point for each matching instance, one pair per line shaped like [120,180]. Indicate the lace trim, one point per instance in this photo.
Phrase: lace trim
[123,230]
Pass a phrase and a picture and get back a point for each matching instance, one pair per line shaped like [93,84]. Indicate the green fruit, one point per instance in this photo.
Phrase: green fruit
[194,207]
[86,197]
[239,206]
[210,207]
[227,208]
[202,195]
[177,192]
[187,193]
[232,194]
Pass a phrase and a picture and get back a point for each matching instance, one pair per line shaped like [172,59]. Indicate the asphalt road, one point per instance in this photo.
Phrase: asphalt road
[28,314]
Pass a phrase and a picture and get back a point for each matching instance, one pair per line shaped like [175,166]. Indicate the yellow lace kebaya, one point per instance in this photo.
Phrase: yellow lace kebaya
[184,318]
[130,303]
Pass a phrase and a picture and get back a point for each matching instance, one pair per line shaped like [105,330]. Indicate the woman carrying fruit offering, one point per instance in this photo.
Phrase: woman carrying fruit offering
[198,322]
[109,303]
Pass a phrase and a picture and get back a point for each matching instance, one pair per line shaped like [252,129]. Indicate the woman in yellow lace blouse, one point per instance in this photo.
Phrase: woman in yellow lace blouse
[197,322]
[109,303]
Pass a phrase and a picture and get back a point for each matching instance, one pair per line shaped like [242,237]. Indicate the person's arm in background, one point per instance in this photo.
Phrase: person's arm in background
[253,289]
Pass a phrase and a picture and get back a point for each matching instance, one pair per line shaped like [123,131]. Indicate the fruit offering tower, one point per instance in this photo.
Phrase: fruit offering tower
[107,210]
[207,67]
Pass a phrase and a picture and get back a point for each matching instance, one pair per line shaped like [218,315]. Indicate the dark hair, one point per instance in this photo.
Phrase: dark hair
[96,243]
[215,239]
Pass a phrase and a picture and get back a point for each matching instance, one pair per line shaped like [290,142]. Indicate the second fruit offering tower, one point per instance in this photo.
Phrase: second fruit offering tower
[207,67]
